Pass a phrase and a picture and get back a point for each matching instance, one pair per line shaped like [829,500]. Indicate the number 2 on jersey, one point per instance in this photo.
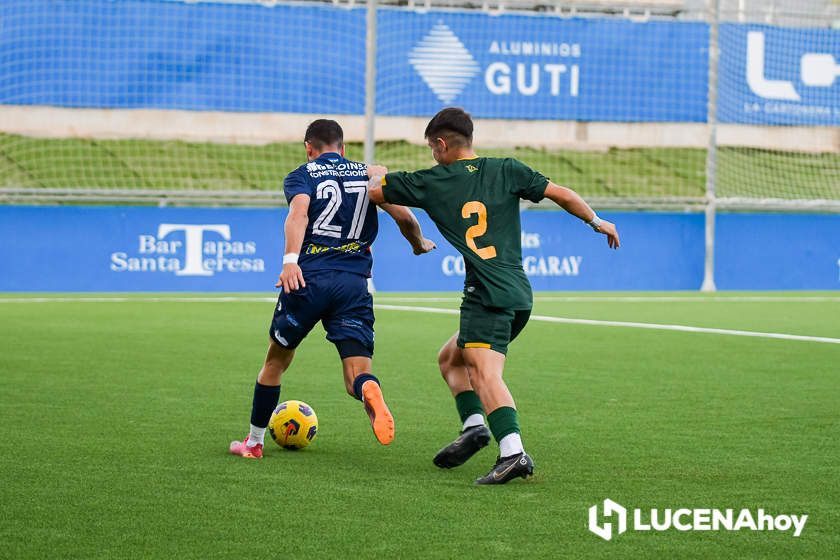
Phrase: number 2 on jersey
[479,229]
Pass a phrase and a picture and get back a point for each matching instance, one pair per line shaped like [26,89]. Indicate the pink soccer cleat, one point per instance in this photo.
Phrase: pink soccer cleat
[242,449]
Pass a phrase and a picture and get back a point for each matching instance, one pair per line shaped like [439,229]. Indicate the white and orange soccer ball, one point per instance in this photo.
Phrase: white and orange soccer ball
[293,425]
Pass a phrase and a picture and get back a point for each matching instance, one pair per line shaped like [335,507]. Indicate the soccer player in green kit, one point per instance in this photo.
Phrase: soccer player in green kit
[474,201]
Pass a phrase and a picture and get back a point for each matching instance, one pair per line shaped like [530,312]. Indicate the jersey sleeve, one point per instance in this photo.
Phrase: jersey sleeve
[525,182]
[405,189]
[295,184]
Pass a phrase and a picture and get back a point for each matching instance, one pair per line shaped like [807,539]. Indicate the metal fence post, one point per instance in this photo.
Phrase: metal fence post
[711,152]
[370,83]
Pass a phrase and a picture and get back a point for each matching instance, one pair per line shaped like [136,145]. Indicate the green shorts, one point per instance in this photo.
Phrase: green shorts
[489,327]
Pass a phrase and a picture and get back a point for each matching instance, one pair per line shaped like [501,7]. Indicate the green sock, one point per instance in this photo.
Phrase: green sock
[468,404]
[503,421]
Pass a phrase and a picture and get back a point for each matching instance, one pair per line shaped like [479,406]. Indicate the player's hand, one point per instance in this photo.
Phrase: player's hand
[376,170]
[425,246]
[608,229]
[291,278]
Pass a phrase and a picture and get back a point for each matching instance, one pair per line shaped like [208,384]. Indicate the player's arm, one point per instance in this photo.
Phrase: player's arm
[406,221]
[571,202]
[291,278]
[404,189]
[375,175]
[409,228]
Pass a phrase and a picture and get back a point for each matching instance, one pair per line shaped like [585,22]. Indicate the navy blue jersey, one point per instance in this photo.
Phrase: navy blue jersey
[342,222]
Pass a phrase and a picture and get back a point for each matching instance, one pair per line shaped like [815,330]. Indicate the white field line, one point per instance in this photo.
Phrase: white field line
[632,325]
[432,299]
[633,299]
[139,299]
[544,318]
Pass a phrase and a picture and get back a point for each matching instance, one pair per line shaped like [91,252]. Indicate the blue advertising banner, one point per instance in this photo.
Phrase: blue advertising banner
[125,249]
[777,252]
[779,76]
[195,249]
[526,67]
[177,55]
[658,252]
[278,58]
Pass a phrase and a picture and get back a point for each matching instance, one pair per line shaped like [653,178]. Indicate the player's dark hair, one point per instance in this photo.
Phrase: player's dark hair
[454,124]
[324,132]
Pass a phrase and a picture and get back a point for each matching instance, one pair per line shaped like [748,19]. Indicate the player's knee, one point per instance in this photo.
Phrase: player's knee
[449,356]
[445,360]
[480,377]
[277,359]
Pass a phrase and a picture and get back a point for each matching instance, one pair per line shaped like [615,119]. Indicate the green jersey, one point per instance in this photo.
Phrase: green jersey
[475,205]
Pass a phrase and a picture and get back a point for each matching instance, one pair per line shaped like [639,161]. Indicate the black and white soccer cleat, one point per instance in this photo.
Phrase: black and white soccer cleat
[508,468]
[465,446]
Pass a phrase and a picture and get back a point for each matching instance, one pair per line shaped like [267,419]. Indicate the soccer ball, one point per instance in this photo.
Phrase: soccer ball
[293,425]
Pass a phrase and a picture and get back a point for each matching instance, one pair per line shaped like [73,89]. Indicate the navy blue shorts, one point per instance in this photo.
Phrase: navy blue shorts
[340,300]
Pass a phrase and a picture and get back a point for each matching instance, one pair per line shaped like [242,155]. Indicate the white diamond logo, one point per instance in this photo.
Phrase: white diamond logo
[443,62]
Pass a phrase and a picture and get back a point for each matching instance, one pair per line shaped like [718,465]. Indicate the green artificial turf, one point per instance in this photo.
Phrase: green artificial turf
[115,419]
[617,173]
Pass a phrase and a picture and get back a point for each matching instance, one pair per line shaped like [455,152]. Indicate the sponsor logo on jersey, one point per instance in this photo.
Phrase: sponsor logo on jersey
[351,247]
[318,169]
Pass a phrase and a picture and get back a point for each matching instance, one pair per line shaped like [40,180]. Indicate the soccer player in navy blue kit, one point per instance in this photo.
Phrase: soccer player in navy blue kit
[329,230]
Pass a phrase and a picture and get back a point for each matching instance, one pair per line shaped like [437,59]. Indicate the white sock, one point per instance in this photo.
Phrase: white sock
[473,420]
[256,436]
[511,444]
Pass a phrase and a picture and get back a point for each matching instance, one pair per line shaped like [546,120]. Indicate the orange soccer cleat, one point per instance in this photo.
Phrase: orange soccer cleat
[380,417]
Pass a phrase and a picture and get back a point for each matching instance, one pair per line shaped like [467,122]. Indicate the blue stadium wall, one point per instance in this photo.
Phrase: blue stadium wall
[129,249]
[253,58]
[248,57]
